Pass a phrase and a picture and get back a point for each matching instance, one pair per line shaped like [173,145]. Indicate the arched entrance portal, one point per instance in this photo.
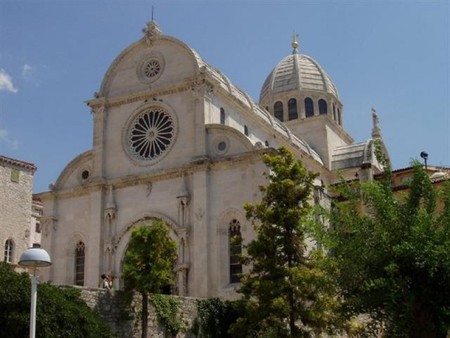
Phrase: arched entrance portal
[175,233]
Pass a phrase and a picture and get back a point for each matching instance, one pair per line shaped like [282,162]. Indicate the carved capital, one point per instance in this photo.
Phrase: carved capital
[203,89]
[48,224]
[97,111]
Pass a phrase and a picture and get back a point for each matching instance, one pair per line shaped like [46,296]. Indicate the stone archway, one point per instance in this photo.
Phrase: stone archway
[123,239]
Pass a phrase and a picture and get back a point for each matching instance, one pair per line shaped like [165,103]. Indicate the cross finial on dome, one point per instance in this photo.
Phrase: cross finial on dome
[294,43]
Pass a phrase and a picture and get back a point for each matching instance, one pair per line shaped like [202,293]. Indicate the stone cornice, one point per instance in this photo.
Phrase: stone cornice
[150,94]
[205,164]
[17,163]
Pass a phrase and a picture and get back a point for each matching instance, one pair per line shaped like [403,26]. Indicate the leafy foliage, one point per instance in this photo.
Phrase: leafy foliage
[60,312]
[148,264]
[149,259]
[286,292]
[393,259]
[215,317]
[168,313]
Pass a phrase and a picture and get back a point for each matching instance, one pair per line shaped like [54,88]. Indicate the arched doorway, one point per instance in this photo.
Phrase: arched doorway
[122,246]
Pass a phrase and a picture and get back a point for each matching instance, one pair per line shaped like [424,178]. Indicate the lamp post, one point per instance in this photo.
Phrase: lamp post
[34,258]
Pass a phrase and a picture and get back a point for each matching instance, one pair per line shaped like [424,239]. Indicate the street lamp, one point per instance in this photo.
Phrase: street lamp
[34,258]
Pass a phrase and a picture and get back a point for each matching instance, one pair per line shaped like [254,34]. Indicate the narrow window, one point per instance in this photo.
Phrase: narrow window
[339,116]
[37,228]
[9,251]
[266,143]
[292,109]
[246,130]
[334,112]
[79,263]
[278,110]
[222,116]
[15,175]
[323,108]
[309,107]
[235,247]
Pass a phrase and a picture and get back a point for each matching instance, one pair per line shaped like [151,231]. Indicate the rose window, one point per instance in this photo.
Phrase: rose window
[152,68]
[151,134]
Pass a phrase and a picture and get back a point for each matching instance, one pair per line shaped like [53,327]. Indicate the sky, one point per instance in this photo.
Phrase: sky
[391,55]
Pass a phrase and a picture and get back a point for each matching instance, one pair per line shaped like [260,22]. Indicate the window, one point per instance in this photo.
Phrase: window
[266,143]
[235,247]
[37,228]
[79,263]
[339,117]
[151,134]
[15,175]
[278,110]
[309,107]
[323,108]
[292,109]
[222,116]
[9,251]
[334,112]
[246,130]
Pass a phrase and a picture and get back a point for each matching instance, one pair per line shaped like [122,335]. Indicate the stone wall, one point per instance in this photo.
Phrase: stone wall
[124,319]
[16,188]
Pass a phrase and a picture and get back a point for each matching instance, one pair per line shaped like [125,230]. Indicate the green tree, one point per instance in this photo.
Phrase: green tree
[392,253]
[149,263]
[286,292]
[60,312]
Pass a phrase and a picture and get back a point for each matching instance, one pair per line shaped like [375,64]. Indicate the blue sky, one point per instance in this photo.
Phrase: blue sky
[392,55]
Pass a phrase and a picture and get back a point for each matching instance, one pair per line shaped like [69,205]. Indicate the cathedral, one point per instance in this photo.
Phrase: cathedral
[174,139]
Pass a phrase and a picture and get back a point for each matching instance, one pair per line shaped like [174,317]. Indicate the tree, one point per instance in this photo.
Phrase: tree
[393,259]
[60,312]
[149,263]
[286,293]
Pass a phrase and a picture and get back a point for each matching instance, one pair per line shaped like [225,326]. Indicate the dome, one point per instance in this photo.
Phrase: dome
[297,72]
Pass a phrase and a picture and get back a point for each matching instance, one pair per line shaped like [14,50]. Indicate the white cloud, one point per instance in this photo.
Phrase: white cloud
[27,70]
[4,137]
[6,82]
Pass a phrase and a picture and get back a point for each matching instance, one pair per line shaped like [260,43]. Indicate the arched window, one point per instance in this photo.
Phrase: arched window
[9,251]
[266,143]
[222,116]
[292,109]
[246,130]
[323,108]
[235,250]
[309,107]
[79,263]
[278,110]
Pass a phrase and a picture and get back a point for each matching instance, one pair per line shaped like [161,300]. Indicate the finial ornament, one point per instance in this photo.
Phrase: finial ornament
[294,43]
[151,32]
[376,131]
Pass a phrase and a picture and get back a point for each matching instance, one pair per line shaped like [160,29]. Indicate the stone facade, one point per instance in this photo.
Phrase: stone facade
[16,184]
[174,139]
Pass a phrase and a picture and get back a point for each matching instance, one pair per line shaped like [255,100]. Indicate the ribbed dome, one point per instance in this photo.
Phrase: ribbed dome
[297,72]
